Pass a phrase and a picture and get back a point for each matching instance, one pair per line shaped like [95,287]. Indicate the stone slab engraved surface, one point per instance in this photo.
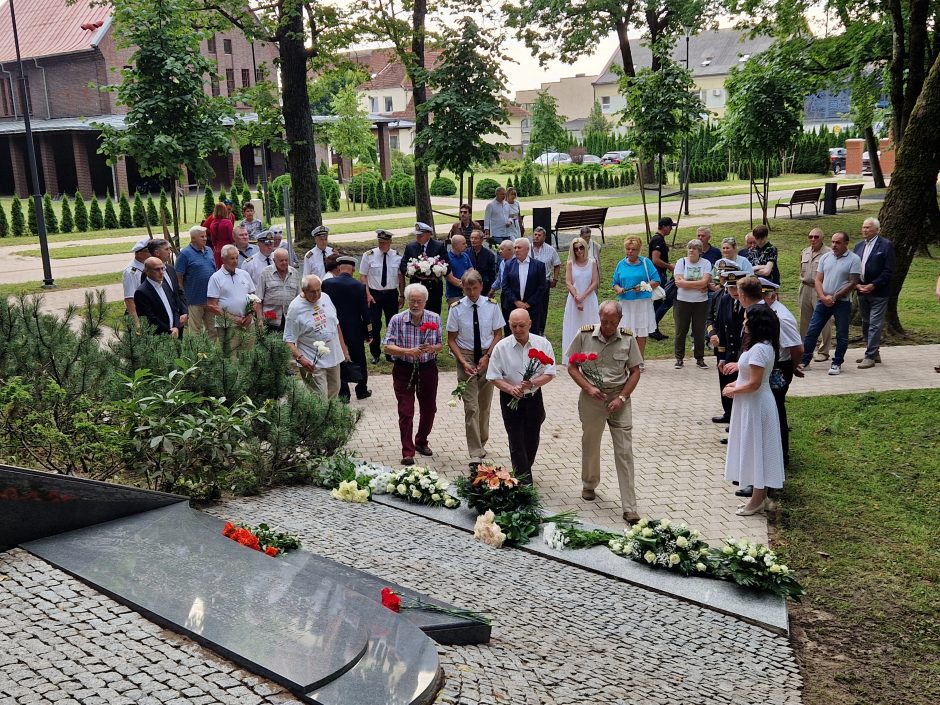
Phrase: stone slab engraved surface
[36,504]
[174,566]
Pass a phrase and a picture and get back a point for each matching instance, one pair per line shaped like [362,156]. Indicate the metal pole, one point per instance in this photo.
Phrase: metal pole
[47,281]
[686,171]
[264,150]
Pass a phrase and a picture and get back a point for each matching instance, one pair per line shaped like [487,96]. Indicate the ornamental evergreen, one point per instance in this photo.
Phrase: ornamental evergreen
[324,169]
[124,210]
[246,195]
[110,217]
[238,181]
[95,217]
[236,203]
[4,225]
[31,216]
[208,202]
[510,185]
[222,195]
[140,214]
[164,207]
[66,224]
[48,214]
[81,213]
[559,183]
[259,192]
[17,221]
[382,198]
[152,217]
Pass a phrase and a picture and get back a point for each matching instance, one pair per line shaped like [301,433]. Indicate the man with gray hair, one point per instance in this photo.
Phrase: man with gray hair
[524,284]
[194,267]
[606,384]
[874,291]
[496,221]
[228,297]
[312,332]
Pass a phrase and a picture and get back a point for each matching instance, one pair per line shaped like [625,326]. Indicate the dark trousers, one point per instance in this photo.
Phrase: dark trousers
[662,306]
[523,426]
[357,356]
[543,315]
[410,383]
[726,402]
[435,295]
[780,398]
[686,312]
[386,303]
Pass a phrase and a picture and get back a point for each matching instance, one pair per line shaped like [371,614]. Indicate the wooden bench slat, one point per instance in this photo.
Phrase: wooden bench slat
[801,197]
[569,220]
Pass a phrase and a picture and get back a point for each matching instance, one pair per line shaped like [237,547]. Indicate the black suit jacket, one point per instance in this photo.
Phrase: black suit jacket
[435,248]
[349,298]
[880,266]
[535,287]
[485,264]
[150,306]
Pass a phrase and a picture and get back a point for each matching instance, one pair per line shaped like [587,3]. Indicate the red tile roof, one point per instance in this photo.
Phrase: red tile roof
[50,27]
[409,112]
[388,72]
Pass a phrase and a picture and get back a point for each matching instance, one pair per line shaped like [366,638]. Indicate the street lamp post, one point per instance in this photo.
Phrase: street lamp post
[47,280]
[686,167]
[264,149]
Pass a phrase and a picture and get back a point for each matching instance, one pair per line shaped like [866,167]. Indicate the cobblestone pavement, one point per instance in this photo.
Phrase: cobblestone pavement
[677,450]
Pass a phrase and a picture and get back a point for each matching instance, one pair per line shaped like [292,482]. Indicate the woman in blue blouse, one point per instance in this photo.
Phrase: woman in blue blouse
[630,277]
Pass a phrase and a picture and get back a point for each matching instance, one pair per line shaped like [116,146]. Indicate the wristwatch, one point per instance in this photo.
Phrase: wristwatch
[622,398]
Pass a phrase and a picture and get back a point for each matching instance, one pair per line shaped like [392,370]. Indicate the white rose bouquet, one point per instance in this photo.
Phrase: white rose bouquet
[658,543]
[250,304]
[422,486]
[424,267]
[753,565]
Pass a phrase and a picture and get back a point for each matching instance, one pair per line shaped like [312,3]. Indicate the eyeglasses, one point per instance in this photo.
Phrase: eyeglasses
[814,237]
[579,249]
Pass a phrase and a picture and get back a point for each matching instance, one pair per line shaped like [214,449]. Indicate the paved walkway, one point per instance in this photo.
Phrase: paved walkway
[677,450]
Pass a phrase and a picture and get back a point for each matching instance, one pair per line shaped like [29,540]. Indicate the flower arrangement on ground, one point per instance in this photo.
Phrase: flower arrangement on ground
[565,535]
[349,491]
[396,603]
[422,486]
[487,530]
[261,538]
[537,359]
[425,267]
[376,477]
[753,565]
[592,374]
[497,488]
[659,543]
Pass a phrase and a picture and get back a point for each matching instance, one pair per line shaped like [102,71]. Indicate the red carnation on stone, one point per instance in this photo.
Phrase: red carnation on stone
[271,551]
[391,600]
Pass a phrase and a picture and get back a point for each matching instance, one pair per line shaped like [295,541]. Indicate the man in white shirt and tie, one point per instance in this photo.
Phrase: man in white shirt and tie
[315,259]
[378,270]
[262,258]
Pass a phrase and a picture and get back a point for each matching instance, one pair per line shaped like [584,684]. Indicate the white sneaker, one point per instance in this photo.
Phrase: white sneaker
[835,369]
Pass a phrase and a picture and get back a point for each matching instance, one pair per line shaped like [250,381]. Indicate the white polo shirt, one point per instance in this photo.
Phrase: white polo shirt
[371,266]
[460,321]
[510,359]
[231,289]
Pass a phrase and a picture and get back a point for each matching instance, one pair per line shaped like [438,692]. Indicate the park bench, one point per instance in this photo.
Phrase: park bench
[849,191]
[801,197]
[575,220]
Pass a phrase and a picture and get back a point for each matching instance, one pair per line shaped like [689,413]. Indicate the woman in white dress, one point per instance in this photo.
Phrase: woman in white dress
[581,280]
[755,450]
[634,279]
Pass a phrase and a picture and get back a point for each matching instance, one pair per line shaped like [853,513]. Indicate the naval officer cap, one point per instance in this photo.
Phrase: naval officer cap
[423,228]
[320,231]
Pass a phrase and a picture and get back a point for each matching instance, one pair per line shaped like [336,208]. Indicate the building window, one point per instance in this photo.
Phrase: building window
[210,44]
[230,81]
[605,104]
[214,83]
[6,98]
[373,104]
[246,78]
[227,46]
[388,104]
[393,141]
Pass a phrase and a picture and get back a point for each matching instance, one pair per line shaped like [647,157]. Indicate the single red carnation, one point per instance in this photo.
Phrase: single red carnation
[228,529]
[271,315]
[391,600]
[592,357]
[534,354]
[271,550]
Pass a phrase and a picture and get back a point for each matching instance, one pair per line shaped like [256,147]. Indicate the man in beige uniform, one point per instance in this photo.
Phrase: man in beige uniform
[809,263]
[618,364]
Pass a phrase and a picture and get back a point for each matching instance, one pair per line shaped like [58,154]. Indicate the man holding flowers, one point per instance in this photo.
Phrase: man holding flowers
[604,360]
[312,332]
[419,262]
[413,339]
[519,366]
[474,326]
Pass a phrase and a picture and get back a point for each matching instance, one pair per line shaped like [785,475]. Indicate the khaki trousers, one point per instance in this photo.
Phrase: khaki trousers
[594,416]
[237,339]
[202,319]
[324,381]
[808,301]
[477,398]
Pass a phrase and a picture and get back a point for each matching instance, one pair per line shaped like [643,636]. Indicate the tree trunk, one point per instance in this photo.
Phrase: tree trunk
[913,189]
[298,128]
[423,211]
[871,144]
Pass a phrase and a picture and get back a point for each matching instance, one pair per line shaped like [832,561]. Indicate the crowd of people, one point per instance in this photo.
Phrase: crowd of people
[331,308]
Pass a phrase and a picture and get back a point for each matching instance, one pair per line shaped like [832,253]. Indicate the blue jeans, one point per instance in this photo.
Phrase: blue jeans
[842,310]
[872,309]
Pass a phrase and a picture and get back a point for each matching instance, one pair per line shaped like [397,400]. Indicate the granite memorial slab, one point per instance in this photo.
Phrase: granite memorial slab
[36,504]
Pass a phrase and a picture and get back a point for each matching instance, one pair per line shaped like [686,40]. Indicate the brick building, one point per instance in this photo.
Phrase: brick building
[67,49]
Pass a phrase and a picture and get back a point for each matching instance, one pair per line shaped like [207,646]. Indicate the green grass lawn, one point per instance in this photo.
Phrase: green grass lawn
[861,521]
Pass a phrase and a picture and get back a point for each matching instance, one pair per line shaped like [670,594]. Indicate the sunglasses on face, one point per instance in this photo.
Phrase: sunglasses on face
[579,249]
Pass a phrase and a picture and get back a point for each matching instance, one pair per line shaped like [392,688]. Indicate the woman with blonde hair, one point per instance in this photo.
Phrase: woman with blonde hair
[634,280]
[581,278]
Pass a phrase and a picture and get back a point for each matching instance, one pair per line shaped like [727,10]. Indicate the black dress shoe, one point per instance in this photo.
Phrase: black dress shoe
[365,395]
[724,441]
[656,335]
[720,419]
[744,491]
[424,450]
[375,360]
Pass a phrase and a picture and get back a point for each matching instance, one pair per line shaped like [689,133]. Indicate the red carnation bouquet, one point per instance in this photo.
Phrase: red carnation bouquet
[260,538]
[591,373]
[425,329]
[537,359]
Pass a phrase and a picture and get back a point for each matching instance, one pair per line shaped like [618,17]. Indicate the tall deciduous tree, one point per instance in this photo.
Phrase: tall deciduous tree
[764,115]
[548,130]
[468,105]
[350,135]
[170,121]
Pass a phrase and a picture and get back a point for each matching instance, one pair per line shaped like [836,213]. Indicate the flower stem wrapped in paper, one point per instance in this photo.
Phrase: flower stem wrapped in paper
[537,360]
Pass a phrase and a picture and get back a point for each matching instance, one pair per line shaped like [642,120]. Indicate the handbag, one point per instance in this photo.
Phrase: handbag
[350,373]
[659,292]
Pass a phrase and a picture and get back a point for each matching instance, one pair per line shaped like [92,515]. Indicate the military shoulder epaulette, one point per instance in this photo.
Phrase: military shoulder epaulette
[626,331]
[587,329]
[309,254]
[249,258]
[455,303]
[492,300]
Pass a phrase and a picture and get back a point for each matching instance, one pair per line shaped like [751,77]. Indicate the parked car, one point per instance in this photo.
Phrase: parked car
[837,159]
[616,157]
[590,159]
[866,162]
[552,158]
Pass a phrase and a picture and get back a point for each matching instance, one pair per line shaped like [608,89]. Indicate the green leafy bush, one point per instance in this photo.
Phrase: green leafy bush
[329,192]
[95,216]
[17,221]
[208,205]
[486,188]
[442,186]
[4,224]
[359,185]
[48,214]
[402,163]
[125,219]
[31,221]
[402,187]
[81,213]
[139,213]
[110,217]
